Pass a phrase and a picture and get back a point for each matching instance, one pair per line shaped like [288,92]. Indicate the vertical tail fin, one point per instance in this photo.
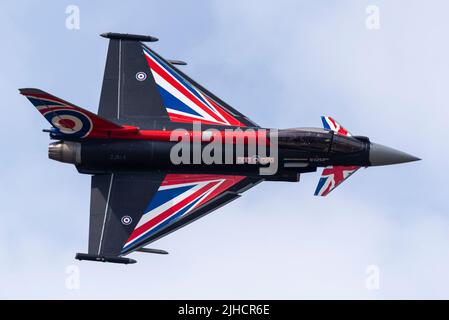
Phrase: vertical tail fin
[68,121]
[330,124]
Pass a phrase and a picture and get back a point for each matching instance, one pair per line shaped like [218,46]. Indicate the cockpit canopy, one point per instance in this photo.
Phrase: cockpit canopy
[318,140]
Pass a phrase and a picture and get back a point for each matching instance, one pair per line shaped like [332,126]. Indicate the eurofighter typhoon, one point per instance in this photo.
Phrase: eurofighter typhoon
[164,151]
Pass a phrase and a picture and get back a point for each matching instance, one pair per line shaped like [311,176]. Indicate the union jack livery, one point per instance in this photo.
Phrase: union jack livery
[177,197]
[163,151]
[184,102]
[332,177]
[331,124]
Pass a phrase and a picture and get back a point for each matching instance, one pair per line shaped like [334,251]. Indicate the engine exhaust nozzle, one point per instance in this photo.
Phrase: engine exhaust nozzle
[65,151]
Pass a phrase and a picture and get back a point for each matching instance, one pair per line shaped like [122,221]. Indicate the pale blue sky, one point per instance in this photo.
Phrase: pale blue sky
[283,64]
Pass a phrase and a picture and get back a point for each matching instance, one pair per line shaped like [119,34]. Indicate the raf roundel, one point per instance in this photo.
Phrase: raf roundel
[127,220]
[71,122]
[141,76]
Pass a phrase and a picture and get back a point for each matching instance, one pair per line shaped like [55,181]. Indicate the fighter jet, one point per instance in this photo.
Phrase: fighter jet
[164,151]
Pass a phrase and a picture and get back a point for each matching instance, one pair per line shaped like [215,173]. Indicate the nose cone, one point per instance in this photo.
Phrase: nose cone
[380,155]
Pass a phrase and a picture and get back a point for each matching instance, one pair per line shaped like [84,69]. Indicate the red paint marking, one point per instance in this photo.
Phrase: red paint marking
[232,121]
[333,122]
[340,130]
[328,189]
[227,137]
[186,119]
[43,110]
[338,176]
[102,130]
[225,185]
[171,179]
[67,123]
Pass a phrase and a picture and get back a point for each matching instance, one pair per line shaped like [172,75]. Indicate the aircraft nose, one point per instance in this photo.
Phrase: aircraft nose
[380,155]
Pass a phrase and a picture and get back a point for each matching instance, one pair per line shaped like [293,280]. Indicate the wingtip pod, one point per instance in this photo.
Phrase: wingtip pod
[177,62]
[148,250]
[128,36]
[99,258]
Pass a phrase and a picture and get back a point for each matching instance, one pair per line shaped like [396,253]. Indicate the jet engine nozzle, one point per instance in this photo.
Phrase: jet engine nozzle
[65,151]
[380,155]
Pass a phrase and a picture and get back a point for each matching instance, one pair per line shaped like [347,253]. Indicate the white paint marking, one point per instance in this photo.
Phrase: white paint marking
[105,213]
[119,76]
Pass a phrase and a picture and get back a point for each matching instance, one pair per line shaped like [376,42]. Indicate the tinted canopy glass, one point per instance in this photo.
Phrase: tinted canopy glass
[305,139]
[343,144]
[318,140]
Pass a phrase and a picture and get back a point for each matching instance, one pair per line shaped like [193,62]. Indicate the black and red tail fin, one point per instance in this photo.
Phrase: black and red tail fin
[68,120]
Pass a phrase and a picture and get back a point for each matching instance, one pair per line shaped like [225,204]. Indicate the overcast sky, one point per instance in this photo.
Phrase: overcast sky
[283,64]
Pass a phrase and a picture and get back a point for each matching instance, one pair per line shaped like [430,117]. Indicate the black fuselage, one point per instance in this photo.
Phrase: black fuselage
[288,153]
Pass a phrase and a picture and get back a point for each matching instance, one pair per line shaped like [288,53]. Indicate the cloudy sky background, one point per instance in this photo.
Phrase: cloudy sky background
[283,64]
